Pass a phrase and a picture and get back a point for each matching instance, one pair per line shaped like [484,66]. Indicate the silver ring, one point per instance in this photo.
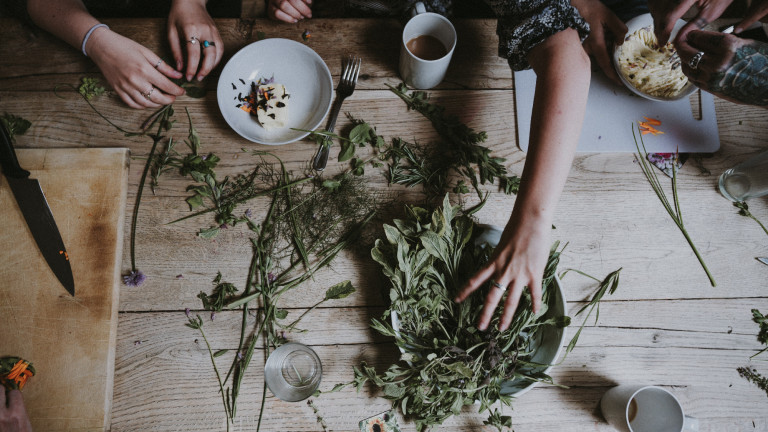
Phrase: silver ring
[148,95]
[193,40]
[695,60]
[498,286]
[159,62]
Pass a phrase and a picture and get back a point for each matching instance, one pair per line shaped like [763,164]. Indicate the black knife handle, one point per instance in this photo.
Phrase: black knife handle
[8,160]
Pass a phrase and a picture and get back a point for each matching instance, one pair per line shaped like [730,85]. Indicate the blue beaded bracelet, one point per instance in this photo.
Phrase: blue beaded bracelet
[88,35]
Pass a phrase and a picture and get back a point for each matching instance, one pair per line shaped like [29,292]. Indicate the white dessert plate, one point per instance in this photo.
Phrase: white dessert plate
[300,69]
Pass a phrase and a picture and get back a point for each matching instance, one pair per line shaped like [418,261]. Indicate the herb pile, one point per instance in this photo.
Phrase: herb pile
[447,362]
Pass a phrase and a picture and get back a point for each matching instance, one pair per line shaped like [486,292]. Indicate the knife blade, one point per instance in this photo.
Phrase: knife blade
[763,260]
[34,207]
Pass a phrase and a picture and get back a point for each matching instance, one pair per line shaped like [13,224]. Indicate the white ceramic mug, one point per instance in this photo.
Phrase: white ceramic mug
[415,71]
[643,408]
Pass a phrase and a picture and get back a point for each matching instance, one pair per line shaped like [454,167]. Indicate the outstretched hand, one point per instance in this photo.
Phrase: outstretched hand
[191,31]
[13,415]
[138,75]
[517,263]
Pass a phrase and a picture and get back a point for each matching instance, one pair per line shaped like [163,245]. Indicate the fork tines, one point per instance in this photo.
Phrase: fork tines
[351,70]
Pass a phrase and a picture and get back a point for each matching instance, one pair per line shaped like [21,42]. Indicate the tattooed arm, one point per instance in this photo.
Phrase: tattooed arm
[732,68]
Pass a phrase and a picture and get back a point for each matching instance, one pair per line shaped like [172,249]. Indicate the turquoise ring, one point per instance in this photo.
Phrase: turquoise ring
[207,44]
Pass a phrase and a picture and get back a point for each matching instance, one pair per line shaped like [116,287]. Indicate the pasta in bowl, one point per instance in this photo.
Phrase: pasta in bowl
[647,69]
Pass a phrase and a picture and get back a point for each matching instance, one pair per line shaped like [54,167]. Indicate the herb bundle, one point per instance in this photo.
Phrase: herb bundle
[450,363]
[460,155]
[749,373]
[672,208]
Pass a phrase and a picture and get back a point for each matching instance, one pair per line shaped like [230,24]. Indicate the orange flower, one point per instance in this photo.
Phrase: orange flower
[19,374]
[647,126]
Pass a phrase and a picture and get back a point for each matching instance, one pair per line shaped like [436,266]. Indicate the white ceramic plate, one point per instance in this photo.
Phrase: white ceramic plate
[306,78]
[636,23]
[550,340]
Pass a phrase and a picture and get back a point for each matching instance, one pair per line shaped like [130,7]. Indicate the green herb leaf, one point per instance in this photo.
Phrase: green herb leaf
[339,291]
[15,125]
[90,87]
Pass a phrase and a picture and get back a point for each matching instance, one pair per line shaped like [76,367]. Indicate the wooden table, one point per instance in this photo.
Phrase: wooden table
[665,325]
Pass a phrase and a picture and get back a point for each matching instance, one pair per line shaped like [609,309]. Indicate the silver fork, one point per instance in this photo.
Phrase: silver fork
[350,72]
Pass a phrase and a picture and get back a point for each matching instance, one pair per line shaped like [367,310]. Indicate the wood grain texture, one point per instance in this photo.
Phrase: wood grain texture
[70,340]
[665,325]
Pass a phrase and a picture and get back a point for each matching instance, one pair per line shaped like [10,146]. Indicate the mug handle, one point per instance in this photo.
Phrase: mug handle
[418,8]
[690,424]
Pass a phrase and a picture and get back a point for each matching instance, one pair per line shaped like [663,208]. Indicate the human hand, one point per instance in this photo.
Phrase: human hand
[733,68]
[289,11]
[517,262]
[190,24]
[138,75]
[757,11]
[666,13]
[13,415]
[605,30]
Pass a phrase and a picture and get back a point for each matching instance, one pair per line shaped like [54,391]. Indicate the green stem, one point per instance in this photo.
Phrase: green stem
[698,255]
[218,376]
[135,216]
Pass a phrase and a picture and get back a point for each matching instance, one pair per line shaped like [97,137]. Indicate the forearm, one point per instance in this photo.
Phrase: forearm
[562,84]
[69,20]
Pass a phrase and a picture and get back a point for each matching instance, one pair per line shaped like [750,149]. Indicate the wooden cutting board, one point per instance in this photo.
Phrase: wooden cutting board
[70,341]
[613,110]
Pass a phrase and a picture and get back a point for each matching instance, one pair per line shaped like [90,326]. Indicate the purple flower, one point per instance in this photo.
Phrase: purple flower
[271,277]
[223,226]
[134,278]
[213,316]
[248,213]
[186,312]
[240,355]
[179,276]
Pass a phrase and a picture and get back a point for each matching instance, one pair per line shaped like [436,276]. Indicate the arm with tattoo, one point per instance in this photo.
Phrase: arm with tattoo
[732,68]
[745,78]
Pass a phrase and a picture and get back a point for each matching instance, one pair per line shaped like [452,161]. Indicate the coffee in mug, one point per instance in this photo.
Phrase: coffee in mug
[426,47]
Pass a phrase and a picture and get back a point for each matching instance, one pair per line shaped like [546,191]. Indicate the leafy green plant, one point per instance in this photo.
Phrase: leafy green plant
[15,125]
[744,211]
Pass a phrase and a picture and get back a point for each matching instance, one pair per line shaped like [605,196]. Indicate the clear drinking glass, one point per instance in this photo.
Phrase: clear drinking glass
[748,179]
[293,372]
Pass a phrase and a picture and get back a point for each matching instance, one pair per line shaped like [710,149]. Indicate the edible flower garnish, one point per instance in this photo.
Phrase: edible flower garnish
[647,126]
[14,372]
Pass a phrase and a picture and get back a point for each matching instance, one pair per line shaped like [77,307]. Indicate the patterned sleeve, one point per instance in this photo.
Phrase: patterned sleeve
[523,24]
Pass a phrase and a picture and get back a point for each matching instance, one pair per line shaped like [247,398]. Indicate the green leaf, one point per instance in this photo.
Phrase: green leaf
[194,201]
[331,185]
[339,291]
[209,233]
[220,353]
[360,133]
[15,125]
[90,87]
[347,151]
[281,314]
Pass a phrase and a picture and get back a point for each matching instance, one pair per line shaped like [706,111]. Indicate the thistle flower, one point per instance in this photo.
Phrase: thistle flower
[135,278]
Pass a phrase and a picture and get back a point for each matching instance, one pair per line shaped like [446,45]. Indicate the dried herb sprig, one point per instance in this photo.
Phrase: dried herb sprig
[672,208]
[462,153]
[744,211]
[751,375]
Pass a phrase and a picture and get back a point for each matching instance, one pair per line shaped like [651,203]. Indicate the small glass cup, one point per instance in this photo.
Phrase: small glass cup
[293,372]
[748,179]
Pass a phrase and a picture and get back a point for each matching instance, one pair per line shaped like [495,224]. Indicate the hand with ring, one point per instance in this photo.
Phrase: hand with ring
[13,414]
[191,31]
[137,75]
[517,264]
[727,66]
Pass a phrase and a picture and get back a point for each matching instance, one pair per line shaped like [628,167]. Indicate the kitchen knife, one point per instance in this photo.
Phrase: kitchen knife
[763,260]
[36,212]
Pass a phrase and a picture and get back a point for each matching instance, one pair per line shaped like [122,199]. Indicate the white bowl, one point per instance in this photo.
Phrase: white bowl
[306,78]
[636,23]
[549,343]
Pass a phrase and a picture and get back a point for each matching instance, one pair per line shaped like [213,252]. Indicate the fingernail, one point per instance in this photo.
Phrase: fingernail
[189,77]
[200,77]
[178,65]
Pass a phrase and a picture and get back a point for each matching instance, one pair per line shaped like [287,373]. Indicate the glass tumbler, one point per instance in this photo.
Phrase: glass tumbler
[293,372]
[746,180]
